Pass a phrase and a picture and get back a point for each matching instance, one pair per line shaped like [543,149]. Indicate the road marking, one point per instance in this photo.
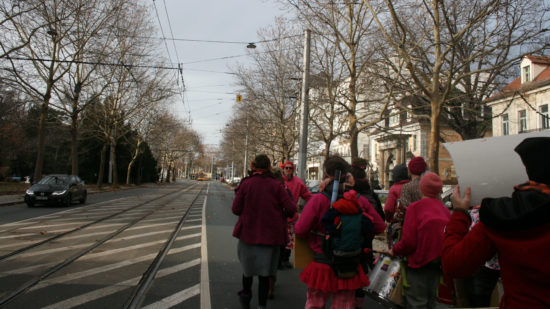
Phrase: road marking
[205,280]
[109,267]
[175,299]
[112,289]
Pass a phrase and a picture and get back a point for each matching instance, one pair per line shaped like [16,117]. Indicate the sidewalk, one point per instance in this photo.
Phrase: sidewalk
[10,199]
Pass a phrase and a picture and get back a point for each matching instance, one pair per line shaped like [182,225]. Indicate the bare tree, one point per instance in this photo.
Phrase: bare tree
[173,149]
[443,48]
[348,26]
[38,65]
[9,11]
[269,102]
[91,43]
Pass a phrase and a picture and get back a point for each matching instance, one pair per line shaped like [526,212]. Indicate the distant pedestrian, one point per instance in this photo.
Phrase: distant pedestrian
[298,190]
[362,186]
[421,242]
[516,227]
[262,204]
[411,191]
[400,178]
[319,276]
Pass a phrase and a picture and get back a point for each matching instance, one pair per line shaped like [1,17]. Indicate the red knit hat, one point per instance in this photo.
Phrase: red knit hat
[417,166]
[287,163]
[431,185]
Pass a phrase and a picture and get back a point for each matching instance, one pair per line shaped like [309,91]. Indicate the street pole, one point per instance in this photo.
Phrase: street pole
[302,153]
[232,161]
[245,165]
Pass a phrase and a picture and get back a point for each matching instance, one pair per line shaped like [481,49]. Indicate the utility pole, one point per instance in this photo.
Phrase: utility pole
[302,153]
[245,164]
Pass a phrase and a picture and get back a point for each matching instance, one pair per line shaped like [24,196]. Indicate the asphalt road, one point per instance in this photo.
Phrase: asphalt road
[223,266]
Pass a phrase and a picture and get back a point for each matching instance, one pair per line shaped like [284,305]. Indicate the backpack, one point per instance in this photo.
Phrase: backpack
[346,230]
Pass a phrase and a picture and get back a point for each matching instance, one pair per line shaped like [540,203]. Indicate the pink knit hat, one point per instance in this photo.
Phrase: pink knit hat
[417,166]
[431,185]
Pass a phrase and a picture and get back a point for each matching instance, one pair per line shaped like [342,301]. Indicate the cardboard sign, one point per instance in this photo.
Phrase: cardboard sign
[490,166]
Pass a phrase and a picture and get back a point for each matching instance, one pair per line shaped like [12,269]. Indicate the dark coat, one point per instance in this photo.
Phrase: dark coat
[262,204]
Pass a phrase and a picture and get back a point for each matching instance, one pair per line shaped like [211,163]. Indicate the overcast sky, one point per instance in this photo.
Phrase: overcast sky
[210,92]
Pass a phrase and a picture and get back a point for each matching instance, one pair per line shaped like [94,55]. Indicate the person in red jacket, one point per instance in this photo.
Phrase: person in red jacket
[318,275]
[518,228]
[422,242]
[298,190]
[262,204]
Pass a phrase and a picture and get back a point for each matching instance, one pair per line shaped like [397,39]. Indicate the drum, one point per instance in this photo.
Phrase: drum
[384,280]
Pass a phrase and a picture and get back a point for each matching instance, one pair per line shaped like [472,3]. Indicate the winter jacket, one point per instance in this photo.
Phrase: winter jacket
[422,238]
[309,224]
[518,228]
[391,201]
[262,204]
[297,188]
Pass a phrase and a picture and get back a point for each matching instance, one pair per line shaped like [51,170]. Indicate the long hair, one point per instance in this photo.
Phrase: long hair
[334,163]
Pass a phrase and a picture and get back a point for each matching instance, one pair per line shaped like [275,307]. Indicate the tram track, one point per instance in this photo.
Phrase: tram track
[63,234]
[87,250]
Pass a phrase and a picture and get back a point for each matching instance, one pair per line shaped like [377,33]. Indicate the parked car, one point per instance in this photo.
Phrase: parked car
[57,189]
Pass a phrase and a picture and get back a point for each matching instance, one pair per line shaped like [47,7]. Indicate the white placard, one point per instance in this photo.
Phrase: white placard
[490,166]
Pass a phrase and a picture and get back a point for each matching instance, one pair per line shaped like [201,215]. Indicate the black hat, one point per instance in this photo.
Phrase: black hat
[535,155]
[400,172]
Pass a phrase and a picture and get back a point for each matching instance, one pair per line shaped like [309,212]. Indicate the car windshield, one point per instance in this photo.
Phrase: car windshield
[54,180]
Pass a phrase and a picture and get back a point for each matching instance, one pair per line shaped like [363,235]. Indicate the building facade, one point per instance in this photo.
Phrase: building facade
[522,106]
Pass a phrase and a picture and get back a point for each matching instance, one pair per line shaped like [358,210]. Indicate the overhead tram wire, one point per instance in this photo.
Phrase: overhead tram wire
[162,32]
[180,65]
[160,67]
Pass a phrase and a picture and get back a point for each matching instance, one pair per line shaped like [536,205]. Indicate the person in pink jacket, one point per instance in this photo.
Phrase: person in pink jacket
[422,241]
[319,277]
[262,204]
[298,190]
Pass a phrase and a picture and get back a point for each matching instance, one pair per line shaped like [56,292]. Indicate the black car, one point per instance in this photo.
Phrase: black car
[57,189]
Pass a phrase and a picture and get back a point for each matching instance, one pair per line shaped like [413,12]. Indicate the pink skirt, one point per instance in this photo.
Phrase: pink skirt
[320,276]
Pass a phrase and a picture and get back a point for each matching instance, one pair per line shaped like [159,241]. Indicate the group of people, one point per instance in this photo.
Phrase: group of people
[430,238]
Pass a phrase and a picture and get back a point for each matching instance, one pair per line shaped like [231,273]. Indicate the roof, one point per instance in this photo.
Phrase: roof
[539,59]
[540,80]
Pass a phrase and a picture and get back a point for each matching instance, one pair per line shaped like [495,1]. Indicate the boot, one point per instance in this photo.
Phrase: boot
[244,298]
[270,292]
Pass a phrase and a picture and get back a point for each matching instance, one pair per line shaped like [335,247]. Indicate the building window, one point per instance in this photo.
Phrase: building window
[526,74]
[505,125]
[545,123]
[522,121]
[414,142]
[394,120]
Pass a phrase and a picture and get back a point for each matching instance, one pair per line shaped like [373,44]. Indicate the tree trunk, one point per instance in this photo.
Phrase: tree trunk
[327,150]
[353,136]
[42,135]
[113,156]
[101,171]
[74,137]
[132,161]
[167,179]
[433,150]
